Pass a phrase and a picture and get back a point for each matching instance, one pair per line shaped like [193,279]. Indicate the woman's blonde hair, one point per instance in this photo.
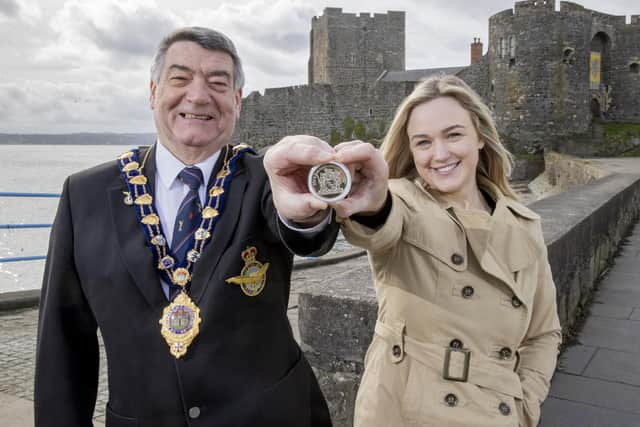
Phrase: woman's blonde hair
[495,162]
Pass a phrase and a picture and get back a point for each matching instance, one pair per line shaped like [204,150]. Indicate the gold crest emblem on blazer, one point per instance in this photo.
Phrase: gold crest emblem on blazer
[253,276]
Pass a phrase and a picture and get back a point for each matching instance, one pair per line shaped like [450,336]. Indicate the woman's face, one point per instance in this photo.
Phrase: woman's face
[445,146]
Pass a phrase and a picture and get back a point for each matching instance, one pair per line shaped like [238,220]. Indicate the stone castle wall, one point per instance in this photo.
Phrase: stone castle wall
[539,71]
[534,76]
[319,110]
[347,48]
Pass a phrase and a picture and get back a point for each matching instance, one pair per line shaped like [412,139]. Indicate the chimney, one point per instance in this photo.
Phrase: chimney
[476,50]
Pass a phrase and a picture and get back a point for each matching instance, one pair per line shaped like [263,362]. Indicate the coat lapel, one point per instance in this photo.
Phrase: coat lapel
[509,248]
[223,232]
[133,244]
[136,253]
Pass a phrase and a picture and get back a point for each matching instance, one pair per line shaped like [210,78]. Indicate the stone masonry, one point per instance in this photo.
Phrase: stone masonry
[539,68]
[347,48]
[535,75]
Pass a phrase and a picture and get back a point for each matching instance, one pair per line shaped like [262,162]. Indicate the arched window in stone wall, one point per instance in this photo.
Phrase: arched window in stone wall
[503,47]
[512,46]
[599,61]
[600,73]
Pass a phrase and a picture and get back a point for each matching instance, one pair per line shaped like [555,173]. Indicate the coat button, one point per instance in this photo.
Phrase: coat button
[505,353]
[396,351]
[455,343]
[451,399]
[516,302]
[457,259]
[504,408]
[194,412]
[467,292]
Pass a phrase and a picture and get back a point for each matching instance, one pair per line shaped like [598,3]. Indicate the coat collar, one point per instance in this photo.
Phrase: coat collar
[505,246]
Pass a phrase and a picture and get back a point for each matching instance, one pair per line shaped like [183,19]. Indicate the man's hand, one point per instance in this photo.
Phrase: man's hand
[370,176]
[287,163]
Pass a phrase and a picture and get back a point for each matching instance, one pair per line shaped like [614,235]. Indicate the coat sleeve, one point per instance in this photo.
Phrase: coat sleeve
[539,349]
[382,238]
[67,357]
[298,243]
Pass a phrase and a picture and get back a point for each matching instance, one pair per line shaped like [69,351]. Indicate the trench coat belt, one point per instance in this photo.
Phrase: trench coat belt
[483,371]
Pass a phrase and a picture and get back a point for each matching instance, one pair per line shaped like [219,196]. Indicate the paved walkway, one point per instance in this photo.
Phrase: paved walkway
[597,383]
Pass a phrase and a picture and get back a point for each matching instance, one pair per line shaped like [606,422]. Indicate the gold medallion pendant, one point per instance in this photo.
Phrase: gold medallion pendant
[253,275]
[180,324]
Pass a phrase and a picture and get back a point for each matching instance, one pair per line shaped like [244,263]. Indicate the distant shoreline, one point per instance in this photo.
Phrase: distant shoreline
[78,139]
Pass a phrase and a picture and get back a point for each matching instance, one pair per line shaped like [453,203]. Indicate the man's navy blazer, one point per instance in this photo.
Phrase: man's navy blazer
[243,369]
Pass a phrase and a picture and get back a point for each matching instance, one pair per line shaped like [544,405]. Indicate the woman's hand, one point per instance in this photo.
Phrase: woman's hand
[370,175]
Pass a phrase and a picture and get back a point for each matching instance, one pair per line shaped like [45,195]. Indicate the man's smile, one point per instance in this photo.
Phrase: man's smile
[196,116]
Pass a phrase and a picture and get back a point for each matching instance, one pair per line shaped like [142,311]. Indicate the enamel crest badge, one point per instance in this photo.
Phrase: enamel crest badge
[253,276]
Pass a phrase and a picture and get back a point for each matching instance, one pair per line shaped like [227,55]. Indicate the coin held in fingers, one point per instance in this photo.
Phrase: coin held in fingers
[329,182]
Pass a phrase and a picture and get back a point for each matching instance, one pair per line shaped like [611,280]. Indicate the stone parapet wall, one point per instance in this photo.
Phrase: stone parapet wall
[319,110]
[582,228]
[563,173]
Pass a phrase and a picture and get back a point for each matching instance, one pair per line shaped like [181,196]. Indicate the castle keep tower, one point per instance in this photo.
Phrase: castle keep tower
[552,74]
[347,48]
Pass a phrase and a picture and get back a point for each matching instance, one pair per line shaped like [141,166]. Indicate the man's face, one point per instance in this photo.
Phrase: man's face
[195,105]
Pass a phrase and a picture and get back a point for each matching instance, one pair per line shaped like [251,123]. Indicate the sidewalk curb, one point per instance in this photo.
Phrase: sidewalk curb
[19,299]
[31,298]
[328,260]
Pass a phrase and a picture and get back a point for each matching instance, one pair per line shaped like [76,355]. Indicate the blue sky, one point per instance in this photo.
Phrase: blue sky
[82,66]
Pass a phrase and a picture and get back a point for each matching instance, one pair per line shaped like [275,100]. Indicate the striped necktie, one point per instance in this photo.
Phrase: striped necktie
[188,217]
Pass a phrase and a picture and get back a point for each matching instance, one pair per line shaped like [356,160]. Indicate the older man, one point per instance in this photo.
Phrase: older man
[178,256]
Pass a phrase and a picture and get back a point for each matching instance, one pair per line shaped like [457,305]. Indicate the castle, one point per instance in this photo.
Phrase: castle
[554,79]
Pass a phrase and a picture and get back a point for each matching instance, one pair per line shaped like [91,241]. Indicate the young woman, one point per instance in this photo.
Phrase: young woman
[467,331]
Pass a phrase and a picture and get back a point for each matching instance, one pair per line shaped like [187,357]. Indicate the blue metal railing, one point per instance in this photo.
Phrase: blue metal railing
[24,226]
[18,226]
[14,194]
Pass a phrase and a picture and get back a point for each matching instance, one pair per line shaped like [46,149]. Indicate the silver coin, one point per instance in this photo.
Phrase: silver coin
[329,182]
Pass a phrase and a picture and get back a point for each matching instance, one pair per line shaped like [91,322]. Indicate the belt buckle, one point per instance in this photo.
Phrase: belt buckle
[447,357]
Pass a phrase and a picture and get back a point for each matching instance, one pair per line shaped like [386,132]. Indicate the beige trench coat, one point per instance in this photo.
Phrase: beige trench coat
[467,331]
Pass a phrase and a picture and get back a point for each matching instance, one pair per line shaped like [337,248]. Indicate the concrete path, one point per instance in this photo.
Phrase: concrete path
[597,383]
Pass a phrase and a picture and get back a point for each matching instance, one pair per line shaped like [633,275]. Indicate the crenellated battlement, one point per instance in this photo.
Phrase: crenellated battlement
[335,15]
[527,7]
[351,48]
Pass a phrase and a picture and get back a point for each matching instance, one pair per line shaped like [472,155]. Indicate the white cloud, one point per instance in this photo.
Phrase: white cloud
[273,43]
[74,107]
[78,65]
[111,30]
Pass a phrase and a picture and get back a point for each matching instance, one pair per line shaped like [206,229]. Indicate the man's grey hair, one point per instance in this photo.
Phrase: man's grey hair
[205,37]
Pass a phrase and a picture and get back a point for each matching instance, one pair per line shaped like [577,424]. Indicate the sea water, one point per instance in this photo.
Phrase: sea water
[36,169]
